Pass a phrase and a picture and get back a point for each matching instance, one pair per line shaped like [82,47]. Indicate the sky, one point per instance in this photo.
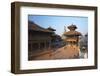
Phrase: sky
[58,22]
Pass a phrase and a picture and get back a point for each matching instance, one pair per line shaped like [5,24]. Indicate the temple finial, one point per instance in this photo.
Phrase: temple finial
[64,28]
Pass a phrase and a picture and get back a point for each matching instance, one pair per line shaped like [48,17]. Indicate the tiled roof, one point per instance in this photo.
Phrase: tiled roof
[72,26]
[33,26]
[72,33]
[49,28]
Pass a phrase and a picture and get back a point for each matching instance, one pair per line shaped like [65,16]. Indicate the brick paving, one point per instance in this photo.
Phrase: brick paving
[66,52]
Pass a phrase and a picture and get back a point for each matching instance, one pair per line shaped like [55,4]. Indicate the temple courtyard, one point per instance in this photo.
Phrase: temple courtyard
[45,44]
[66,52]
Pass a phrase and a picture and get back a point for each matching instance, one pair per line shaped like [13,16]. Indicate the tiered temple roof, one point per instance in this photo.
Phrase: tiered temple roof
[50,28]
[33,26]
[72,31]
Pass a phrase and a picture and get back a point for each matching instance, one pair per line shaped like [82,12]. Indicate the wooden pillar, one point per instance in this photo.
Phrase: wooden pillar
[49,44]
[39,46]
[45,45]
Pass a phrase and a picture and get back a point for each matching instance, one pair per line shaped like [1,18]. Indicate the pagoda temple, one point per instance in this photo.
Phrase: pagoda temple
[72,36]
[72,41]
